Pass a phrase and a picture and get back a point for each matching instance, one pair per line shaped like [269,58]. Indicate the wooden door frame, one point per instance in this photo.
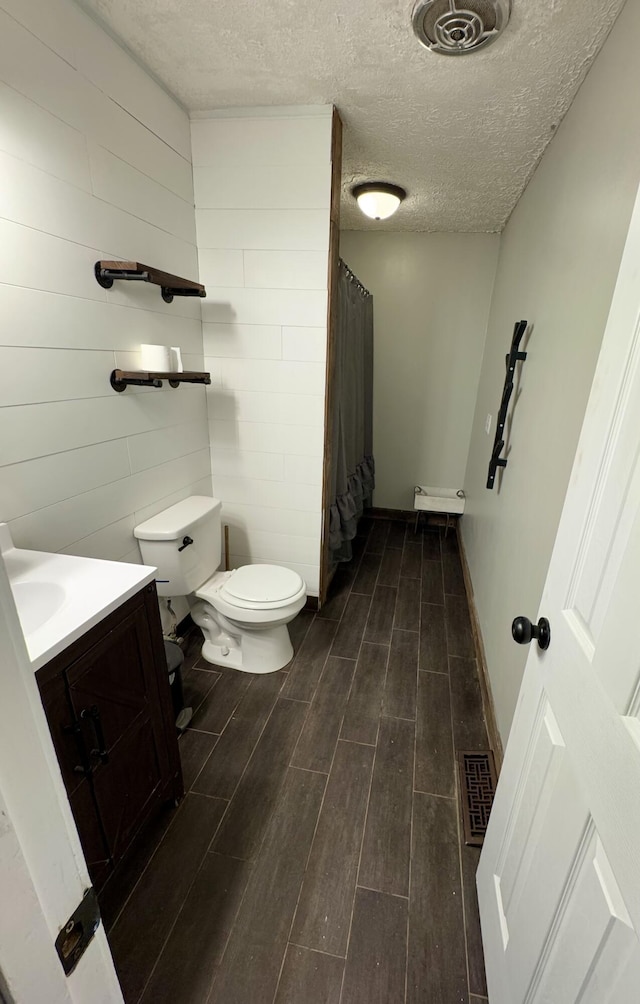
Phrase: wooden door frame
[332,314]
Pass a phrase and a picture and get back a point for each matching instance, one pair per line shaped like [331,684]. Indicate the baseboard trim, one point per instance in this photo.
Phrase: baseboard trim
[483,673]
[407,515]
[376,512]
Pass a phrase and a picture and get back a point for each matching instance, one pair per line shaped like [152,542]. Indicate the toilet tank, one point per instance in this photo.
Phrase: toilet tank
[164,542]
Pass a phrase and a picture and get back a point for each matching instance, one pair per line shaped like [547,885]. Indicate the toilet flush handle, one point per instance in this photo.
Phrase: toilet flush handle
[185,543]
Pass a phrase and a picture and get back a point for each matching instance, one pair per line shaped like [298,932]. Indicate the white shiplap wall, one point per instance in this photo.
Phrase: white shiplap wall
[262,181]
[94,163]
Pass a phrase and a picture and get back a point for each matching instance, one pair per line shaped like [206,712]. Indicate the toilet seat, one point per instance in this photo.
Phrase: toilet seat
[253,591]
[261,587]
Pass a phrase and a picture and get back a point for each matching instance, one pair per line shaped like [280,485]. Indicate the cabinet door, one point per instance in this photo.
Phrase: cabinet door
[91,835]
[66,731]
[113,690]
[75,767]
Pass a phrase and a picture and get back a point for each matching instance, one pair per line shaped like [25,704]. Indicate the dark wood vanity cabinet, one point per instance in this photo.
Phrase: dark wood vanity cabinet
[108,706]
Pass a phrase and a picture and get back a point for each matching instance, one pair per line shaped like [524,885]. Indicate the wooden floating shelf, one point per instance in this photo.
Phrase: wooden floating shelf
[106,273]
[121,379]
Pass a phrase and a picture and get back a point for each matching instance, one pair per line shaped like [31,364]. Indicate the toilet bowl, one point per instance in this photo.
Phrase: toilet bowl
[243,613]
[254,604]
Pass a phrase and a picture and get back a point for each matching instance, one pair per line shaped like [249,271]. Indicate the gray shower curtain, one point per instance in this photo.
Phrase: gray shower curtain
[353,469]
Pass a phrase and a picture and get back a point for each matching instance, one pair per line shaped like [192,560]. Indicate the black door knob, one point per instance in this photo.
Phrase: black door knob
[524,631]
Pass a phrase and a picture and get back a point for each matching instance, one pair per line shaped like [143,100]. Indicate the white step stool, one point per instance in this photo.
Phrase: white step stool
[449,501]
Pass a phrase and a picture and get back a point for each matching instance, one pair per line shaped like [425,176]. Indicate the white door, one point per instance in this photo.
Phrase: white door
[559,874]
[42,870]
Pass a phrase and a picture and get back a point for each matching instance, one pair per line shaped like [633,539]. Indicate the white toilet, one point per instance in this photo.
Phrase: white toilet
[244,613]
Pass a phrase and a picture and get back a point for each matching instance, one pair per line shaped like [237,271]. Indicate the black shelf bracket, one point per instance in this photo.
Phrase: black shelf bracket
[107,272]
[513,356]
[121,379]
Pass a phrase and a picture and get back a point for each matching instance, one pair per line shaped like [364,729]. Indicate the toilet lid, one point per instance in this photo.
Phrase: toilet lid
[262,584]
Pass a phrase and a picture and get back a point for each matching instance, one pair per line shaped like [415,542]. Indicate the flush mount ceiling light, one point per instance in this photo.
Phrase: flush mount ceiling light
[378,199]
[454,27]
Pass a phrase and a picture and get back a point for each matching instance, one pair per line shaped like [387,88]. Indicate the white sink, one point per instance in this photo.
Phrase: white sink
[59,596]
[37,602]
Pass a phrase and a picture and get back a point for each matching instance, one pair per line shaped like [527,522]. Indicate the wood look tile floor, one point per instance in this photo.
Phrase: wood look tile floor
[316,857]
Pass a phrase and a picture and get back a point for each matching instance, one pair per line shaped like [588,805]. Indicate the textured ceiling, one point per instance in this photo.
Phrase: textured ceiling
[461,133]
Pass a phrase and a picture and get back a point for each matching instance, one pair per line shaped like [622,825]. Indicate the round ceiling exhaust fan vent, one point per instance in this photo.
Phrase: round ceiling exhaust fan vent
[454,27]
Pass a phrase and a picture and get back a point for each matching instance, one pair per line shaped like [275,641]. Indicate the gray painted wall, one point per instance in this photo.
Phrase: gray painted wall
[558,263]
[431,296]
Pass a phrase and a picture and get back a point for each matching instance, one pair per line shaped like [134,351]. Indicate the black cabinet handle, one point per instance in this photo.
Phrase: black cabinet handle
[524,631]
[75,730]
[93,715]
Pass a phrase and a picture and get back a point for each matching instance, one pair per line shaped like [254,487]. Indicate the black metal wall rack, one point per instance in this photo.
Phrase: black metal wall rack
[514,356]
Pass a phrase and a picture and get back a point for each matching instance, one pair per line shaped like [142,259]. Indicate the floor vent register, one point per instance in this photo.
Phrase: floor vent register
[477,771]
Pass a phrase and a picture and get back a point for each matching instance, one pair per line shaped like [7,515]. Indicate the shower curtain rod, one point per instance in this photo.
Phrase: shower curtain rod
[354,278]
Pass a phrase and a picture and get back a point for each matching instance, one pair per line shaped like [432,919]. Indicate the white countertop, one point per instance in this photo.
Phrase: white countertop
[59,596]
